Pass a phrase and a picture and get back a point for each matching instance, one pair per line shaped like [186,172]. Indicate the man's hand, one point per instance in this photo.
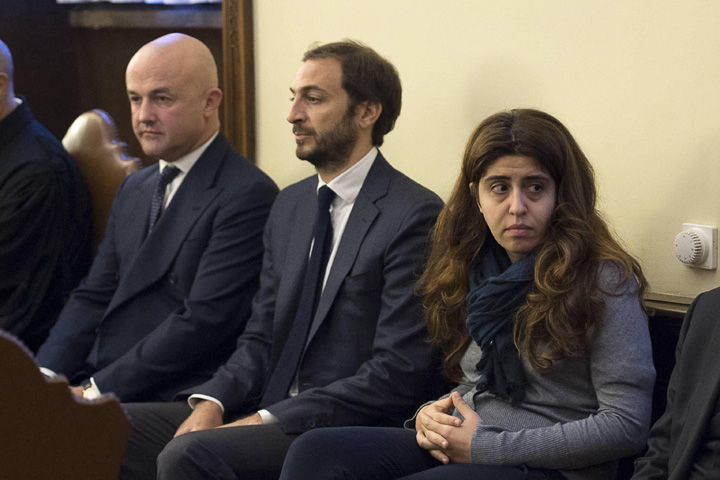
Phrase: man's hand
[254,419]
[206,415]
[77,391]
[428,421]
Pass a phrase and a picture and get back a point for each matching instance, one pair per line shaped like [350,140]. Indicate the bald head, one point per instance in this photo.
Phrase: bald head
[7,89]
[172,84]
[180,54]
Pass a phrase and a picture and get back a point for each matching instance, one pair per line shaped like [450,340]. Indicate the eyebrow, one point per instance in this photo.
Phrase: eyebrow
[308,88]
[533,177]
[152,92]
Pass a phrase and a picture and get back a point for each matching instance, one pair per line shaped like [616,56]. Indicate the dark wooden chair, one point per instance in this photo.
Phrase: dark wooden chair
[93,141]
[45,433]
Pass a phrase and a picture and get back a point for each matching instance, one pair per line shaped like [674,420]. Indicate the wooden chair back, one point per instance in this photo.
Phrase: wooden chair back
[92,140]
[45,432]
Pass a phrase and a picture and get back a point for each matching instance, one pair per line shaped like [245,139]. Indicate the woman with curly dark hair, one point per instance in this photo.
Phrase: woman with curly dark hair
[538,311]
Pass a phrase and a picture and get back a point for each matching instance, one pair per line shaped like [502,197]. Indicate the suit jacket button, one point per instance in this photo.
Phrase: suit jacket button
[172,278]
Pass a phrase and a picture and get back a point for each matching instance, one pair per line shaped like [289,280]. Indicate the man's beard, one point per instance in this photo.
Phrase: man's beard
[332,149]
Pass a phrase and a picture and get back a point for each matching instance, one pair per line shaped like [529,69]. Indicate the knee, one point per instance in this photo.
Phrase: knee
[315,451]
[175,455]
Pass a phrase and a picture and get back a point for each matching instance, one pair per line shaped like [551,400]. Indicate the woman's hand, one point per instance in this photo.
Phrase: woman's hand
[459,438]
[446,438]
[429,420]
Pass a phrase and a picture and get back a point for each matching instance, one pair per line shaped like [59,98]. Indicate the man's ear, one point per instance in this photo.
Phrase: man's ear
[212,100]
[368,113]
[4,82]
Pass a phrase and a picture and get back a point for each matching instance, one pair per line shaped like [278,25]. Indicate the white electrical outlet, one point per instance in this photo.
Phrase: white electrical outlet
[696,246]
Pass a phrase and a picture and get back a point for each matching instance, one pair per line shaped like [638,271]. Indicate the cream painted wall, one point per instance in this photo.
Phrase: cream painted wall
[636,81]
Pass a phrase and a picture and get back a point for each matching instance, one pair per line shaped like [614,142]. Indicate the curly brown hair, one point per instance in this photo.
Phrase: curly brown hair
[566,303]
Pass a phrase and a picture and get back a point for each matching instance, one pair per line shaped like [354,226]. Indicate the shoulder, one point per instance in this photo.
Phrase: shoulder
[402,195]
[37,146]
[236,169]
[613,280]
[703,311]
[303,188]
[709,298]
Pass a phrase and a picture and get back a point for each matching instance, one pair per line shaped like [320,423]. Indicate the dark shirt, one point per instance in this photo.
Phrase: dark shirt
[45,221]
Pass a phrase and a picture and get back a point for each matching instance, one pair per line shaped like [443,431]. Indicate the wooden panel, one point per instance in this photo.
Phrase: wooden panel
[40,40]
[238,76]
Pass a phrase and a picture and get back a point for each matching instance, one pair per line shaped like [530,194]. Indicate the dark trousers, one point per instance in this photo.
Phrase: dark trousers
[359,453]
[249,452]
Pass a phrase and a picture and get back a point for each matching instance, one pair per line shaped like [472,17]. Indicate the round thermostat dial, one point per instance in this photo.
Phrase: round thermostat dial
[691,247]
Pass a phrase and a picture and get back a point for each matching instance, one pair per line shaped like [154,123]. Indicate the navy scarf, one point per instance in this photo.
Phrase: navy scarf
[498,288]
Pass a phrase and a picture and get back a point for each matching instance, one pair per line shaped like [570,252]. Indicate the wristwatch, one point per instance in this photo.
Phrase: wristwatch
[90,392]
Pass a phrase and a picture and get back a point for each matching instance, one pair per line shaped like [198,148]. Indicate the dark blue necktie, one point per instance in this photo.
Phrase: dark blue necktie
[279,383]
[158,199]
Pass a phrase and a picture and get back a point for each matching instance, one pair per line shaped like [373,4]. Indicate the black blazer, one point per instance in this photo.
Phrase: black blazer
[158,314]
[692,395]
[367,361]
[45,222]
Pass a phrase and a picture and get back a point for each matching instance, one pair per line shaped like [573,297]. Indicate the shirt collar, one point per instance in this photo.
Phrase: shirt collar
[347,185]
[186,162]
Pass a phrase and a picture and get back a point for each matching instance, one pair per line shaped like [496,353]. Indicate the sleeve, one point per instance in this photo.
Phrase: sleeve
[462,388]
[73,336]
[654,465]
[217,307]
[623,376]
[387,385]
[238,383]
[32,219]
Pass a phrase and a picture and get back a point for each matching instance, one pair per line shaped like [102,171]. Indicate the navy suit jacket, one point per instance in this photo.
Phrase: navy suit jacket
[159,312]
[692,396]
[367,360]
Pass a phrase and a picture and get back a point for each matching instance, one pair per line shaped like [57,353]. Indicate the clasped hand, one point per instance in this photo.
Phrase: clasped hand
[207,415]
[445,437]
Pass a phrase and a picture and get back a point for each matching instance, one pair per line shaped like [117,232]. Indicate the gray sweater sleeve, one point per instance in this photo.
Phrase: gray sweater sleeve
[622,375]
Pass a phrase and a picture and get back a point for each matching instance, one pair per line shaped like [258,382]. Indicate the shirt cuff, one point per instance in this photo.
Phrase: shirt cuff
[196,397]
[47,372]
[267,417]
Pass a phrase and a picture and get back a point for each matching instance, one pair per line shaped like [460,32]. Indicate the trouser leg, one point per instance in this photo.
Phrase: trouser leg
[355,453]
[249,452]
[153,426]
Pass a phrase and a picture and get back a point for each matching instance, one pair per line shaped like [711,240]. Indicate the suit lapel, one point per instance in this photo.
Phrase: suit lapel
[157,253]
[131,227]
[363,215]
[299,237]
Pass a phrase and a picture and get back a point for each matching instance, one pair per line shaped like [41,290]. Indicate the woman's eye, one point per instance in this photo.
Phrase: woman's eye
[498,188]
[535,188]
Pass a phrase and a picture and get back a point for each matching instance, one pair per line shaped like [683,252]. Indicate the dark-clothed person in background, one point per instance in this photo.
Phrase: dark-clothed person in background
[685,441]
[170,288]
[337,342]
[45,218]
[538,311]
